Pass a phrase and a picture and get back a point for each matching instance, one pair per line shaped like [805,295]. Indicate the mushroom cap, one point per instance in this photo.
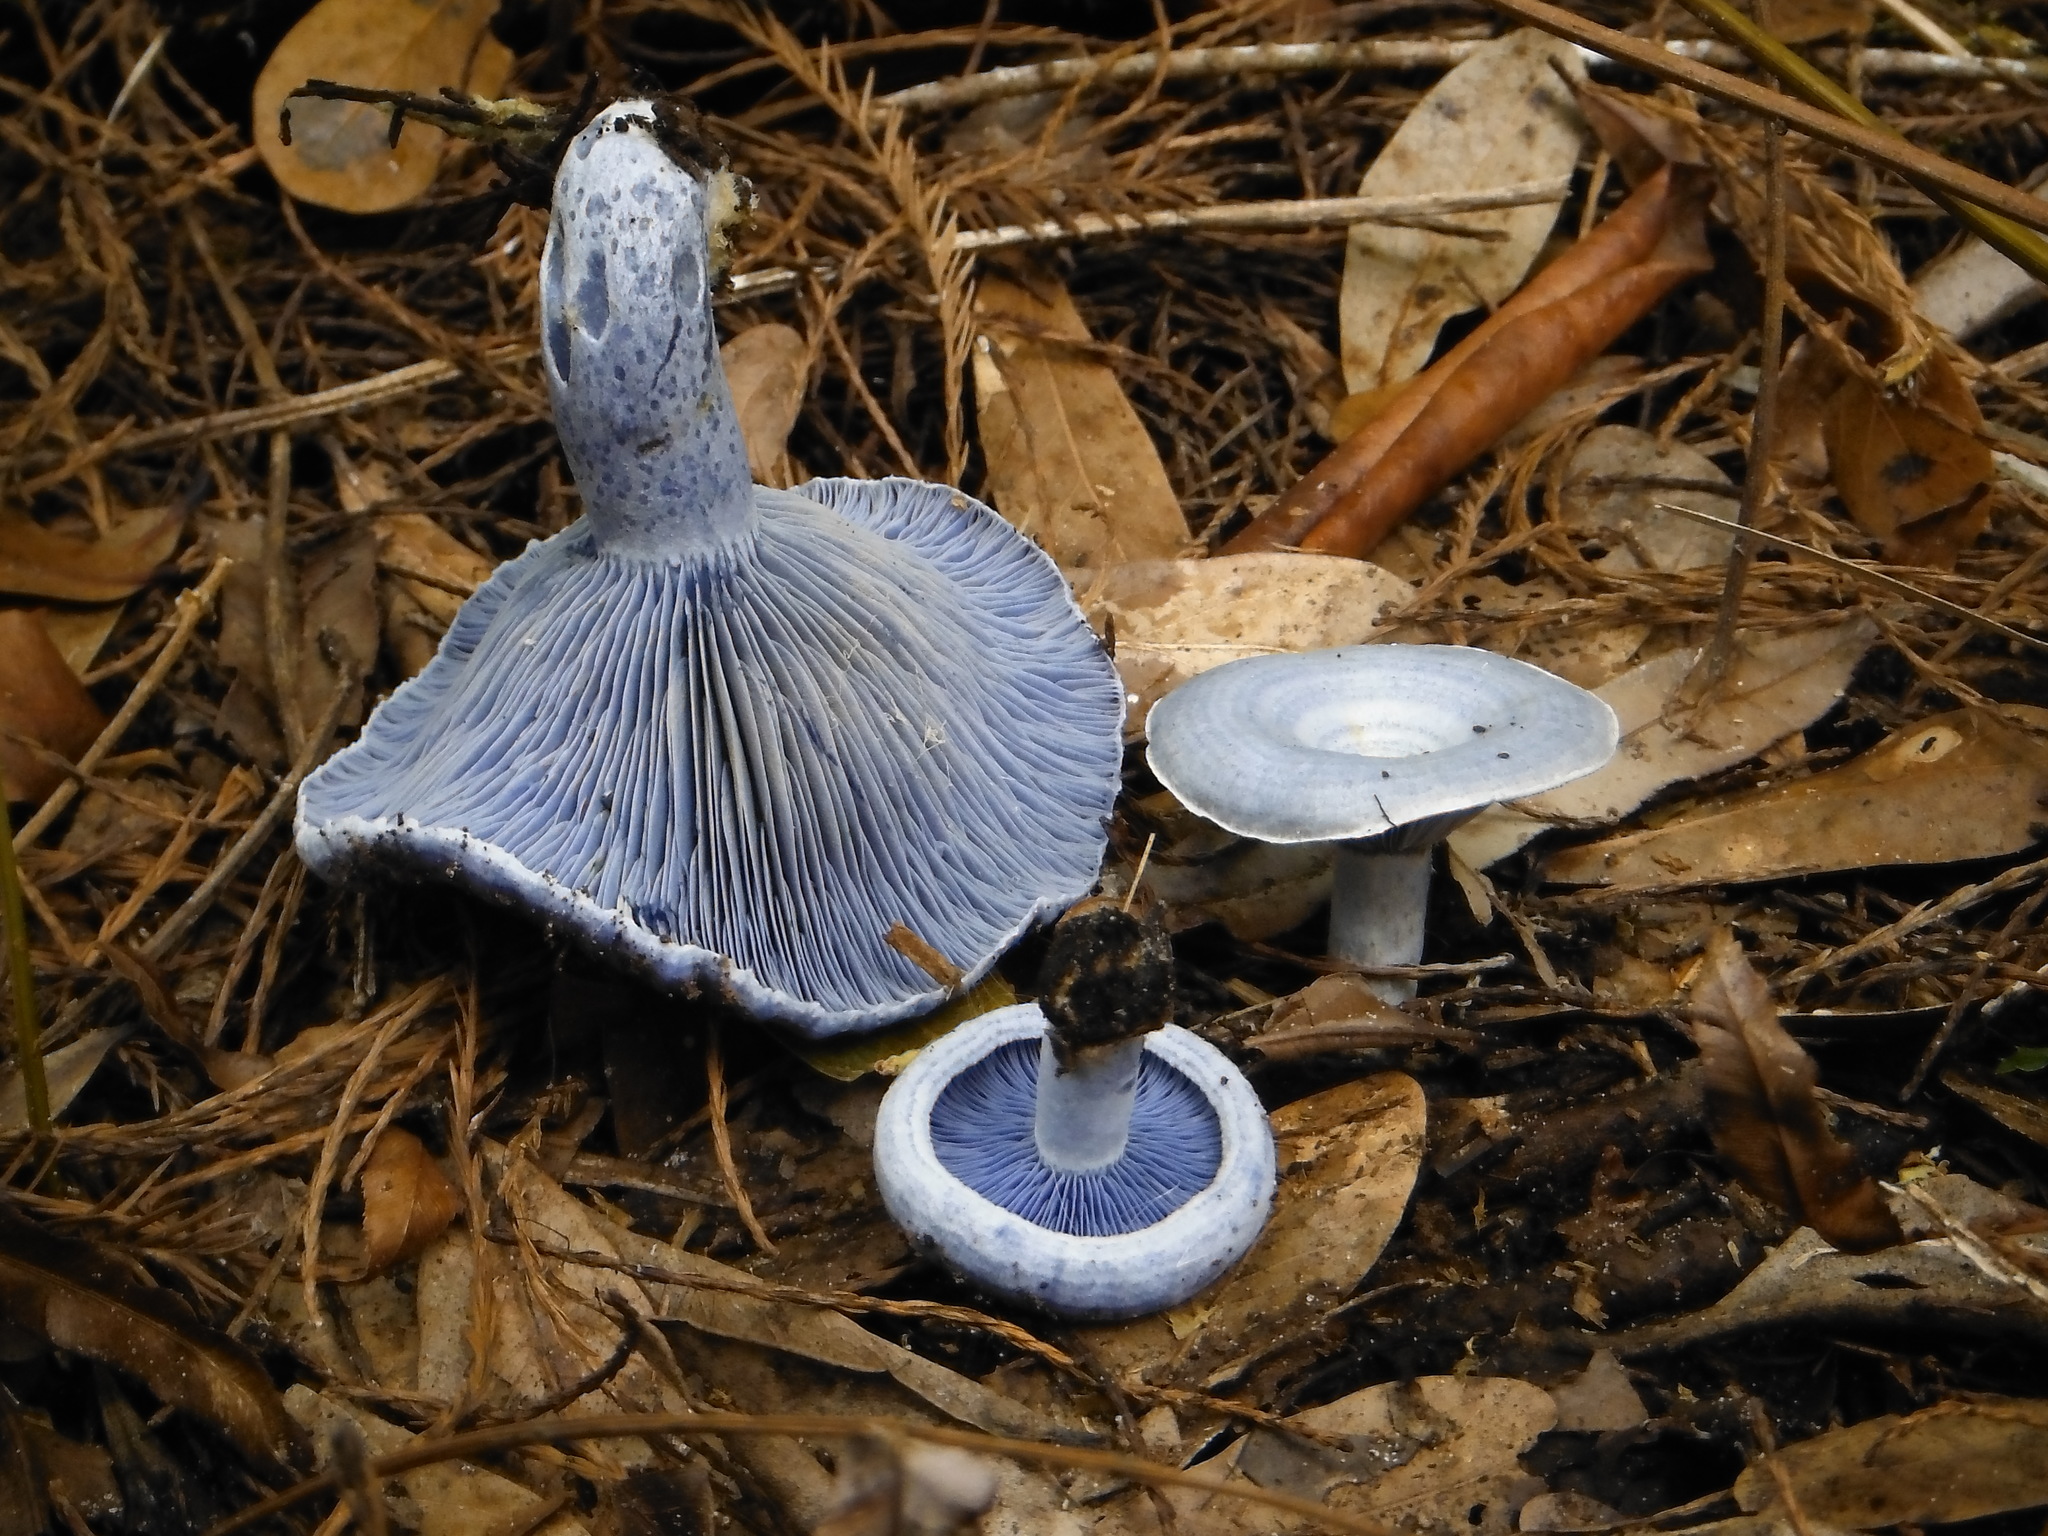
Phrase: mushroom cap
[1362,741]
[958,1167]
[730,736]
[741,772]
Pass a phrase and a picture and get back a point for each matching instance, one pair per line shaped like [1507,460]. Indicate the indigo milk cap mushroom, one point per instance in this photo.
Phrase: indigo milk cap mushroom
[729,736]
[1096,1163]
[1382,750]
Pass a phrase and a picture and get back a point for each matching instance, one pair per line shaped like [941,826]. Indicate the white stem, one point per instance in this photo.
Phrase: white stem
[1084,1114]
[1377,908]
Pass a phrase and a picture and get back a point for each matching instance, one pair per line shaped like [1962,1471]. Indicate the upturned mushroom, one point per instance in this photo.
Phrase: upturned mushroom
[1381,750]
[735,738]
[1081,1153]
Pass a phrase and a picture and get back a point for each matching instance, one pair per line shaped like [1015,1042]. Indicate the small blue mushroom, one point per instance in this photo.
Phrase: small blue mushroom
[1084,1157]
[732,736]
[1381,751]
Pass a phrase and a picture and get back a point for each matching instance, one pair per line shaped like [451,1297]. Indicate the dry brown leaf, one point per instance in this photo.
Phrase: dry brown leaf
[407,1200]
[1610,495]
[74,1298]
[1960,1460]
[446,1498]
[66,1071]
[1776,685]
[1964,785]
[338,609]
[1806,21]
[1437,1456]
[81,633]
[1505,115]
[2015,1112]
[1599,1398]
[1255,890]
[340,155]
[418,612]
[1910,465]
[1069,462]
[1516,358]
[764,367]
[34,562]
[1175,619]
[1763,1114]
[551,1216]
[1348,1161]
[42,703]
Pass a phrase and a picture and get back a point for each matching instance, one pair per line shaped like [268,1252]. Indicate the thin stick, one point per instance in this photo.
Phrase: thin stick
[192,607]
[1281,216]
[28,1051]
[1388,54]
[1927,912]
[2016,241]
[1864,572]
[477,1445]
[291,411]
[1763,416]
[1139,873]
[1936,35]
[1879,145]
[721,1142]
[1182,64]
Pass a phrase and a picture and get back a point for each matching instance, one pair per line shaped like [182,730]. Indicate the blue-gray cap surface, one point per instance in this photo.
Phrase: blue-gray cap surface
[1361,741]
[732,736]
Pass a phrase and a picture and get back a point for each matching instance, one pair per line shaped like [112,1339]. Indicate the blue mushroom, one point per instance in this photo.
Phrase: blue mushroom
[1381,751]
[1080,1154]
[734,737]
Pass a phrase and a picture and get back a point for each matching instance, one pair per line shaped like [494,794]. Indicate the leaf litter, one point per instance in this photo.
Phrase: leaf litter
[1565,1244]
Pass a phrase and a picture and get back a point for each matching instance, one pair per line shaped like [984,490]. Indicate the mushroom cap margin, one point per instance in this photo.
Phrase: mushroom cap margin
[1363,740]
[1126,1275]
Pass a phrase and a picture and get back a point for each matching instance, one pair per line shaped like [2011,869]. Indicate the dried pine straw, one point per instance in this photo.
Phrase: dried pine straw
[174,337]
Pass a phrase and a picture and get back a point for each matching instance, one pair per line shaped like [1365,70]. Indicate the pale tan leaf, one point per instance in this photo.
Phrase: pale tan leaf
[1964,785]
[1601,1397]
[427,575]
[340,155]
[1960,1460]
[446,1498]
[1348,1160]
[553,1217]
[1610,494]
[1454,1444]
[1777,684]
[338,611]
[1504,115]
[1069,462]
[81,633]
[407,1200]
[66,1071]
[1175,619]
[764,367]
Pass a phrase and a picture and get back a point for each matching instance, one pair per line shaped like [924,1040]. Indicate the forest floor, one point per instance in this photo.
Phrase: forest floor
[1702,1185]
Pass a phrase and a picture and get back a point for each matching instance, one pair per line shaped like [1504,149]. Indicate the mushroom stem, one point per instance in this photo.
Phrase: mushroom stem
[1377,908]
[1084,1109]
